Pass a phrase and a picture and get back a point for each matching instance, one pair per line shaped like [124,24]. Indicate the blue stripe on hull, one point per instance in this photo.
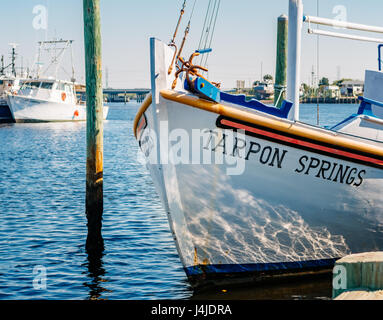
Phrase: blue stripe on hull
[258,267]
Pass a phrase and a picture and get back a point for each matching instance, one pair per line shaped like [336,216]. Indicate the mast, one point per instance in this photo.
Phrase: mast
[294,55]
[2,65]
[13,62]
[13,58]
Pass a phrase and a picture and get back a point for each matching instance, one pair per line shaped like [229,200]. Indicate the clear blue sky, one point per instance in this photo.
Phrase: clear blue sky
[245,36]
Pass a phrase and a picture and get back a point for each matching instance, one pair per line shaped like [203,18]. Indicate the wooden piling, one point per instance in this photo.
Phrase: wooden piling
[94,124]
[281,65]
[359,277]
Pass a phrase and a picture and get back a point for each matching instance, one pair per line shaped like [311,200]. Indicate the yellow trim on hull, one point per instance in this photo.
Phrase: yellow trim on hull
[145,105]
[284,126]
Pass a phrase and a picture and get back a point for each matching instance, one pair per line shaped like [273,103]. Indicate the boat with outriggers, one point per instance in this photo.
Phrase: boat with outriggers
[10,82]
[46,98]
[250,191]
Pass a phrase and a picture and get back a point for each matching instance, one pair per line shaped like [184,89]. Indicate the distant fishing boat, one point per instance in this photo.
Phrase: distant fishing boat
[5,114]
[8,84]
[263,90]
[45,99]
[260,194]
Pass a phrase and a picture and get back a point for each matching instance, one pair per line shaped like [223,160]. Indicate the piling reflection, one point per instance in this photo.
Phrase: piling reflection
[96,273]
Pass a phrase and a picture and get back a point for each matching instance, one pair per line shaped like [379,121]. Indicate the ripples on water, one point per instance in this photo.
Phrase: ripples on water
[43,223]
[42,196]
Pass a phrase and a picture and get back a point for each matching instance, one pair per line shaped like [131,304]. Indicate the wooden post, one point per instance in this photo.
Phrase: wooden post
[281,65]
[359,277]
[94,124]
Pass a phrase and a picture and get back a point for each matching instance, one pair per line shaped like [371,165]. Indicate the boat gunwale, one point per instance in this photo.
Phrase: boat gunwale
[296,128]
[39,99]
[30,120]
[47,101]
[144,106]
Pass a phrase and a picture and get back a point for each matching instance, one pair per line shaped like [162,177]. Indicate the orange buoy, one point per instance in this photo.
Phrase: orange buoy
[63,96]
[76,113]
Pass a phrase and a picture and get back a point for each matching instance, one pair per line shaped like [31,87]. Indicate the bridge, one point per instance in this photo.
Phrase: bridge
[122,95]
[116,95]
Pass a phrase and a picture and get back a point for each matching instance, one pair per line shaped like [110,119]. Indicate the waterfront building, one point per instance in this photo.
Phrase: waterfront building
[351,88]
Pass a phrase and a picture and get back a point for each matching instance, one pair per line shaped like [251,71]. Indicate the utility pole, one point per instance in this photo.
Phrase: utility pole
[261,71]
[94,124]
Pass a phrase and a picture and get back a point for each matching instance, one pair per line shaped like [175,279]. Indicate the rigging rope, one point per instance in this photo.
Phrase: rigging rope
[178,23]
[204,25]
[318,68]
[172,43]
[209,28]
[186,33]
[212,34]
[183,65]
[191,15]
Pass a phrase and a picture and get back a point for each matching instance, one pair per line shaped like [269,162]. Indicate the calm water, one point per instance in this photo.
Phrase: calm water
[43,224]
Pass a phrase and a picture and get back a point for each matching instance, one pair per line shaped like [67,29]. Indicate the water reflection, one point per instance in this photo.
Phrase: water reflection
[317,287]
[96,274]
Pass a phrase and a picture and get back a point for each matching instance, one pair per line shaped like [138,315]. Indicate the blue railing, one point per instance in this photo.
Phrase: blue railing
[366,106]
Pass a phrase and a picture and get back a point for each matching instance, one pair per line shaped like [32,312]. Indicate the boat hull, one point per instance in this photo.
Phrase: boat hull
[286,207]
[5,113]
[25,109]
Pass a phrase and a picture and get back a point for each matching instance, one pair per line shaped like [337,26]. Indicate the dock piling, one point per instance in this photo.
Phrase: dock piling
[281,64]
[94,124]
[359,277]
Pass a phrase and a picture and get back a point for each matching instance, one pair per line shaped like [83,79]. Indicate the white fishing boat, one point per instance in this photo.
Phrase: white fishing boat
[46,99]
[263,90]
[250,191]
[43,100]
[8,84]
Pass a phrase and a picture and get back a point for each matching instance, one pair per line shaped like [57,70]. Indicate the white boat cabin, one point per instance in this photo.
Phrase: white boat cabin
[51,90]
[8,85]
[368,121]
